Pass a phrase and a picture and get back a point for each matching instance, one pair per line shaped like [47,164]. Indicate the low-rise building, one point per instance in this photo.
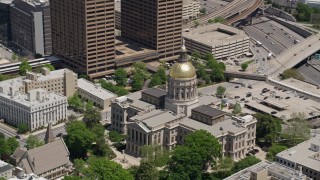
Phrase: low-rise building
[122,108]
[62,81]
[221,40]
[191,9]
[36,109]
[5,170]
[50,160]
[154,96]
[305,155]
[267,170]
[95,93]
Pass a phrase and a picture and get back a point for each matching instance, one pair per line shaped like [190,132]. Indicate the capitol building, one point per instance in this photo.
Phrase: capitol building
[165,116]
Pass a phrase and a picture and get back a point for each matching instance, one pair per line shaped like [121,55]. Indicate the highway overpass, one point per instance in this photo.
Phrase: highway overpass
[241,75]
[293,56]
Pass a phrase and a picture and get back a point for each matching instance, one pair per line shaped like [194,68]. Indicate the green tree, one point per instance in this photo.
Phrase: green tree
[221,90]
[236,109]
[219,19]
[298,129]
[274,150]
[74,178]
[120,76]
[211,21]
[91,117]
[8,146]
[267,129]
[24,67]
[102,149]
[245,162]
[33,142]
[14,57]
[159,77]
[49,66]
[79,138]
[119,90]
[196,23]
[4,77]
[292,73]
[195,58]
[76,103]
[226,163]
[137,80]
[22,128]
[217,68]
[244,66]
[203,10]
[114,136]
[79,165]
[304,11]
[147,171]
[201,71]
[101,168]
[98,130]
[156,154]
[199,150]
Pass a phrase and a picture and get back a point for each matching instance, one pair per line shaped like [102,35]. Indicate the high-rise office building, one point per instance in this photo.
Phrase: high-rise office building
[154,23]
[83,35]
[31,26]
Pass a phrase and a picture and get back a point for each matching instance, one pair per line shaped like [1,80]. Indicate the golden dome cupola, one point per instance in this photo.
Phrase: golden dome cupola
[183,69]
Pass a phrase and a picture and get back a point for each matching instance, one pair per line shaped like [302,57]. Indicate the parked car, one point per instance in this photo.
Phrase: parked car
[17,137]
[59,135]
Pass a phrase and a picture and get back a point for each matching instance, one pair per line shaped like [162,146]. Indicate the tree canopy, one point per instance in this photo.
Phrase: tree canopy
[159,77]
[298,129]
[236,109]
[245,162]
[49,66]
[22,128]
[101,168]
[76,103]
[147,171]
[199,150]
[33,142]
[156,154]
[120,76]
[8,146]
[274,150]
[120,91]
[24,67]
[244,66]
[79,138]
[220,90]
[91,115]
[268,128]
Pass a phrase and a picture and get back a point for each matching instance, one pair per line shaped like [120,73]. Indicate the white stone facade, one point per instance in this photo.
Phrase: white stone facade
[36,109]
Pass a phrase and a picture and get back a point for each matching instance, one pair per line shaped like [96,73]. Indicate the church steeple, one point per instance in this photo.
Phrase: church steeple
[183,52]
[49,135]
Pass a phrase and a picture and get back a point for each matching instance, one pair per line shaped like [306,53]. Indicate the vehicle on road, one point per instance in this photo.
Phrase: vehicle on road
[17,137]
[59,135]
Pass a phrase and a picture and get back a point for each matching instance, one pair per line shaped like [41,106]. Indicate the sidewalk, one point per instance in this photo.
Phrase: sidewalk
[45,129]
[125,160]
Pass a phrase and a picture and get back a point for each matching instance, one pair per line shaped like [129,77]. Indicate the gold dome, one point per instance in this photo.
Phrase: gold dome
[181,70]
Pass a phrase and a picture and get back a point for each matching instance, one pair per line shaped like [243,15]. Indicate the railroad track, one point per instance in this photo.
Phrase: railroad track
[223,12]
[245,13]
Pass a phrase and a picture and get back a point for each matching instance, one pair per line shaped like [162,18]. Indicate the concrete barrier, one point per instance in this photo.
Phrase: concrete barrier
[292,88]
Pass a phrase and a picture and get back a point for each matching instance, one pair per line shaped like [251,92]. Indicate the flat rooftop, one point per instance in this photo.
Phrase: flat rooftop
[23,98]
[276,168]
[207,110]
[157,117]
[229,125]
[302,85]
[126,48]
[289,100]
[95,89]
[303,154]
[214,34]
[155,92]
